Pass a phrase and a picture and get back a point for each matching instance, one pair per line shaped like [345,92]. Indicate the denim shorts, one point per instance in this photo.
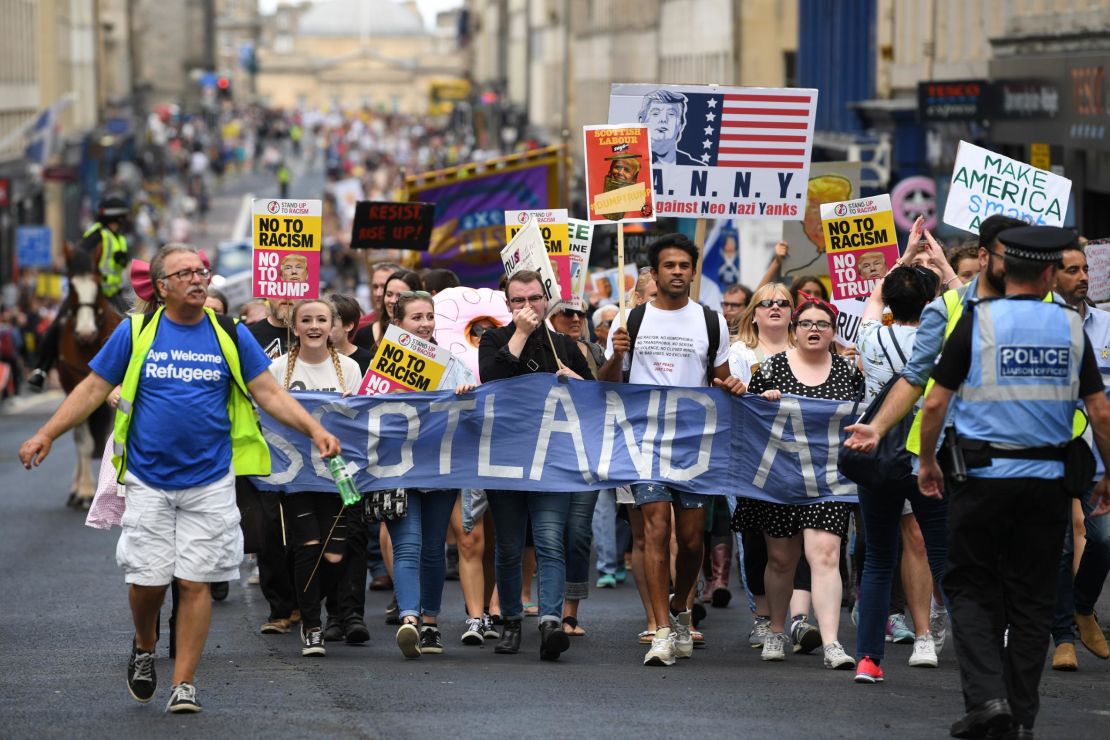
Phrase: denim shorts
[650,493]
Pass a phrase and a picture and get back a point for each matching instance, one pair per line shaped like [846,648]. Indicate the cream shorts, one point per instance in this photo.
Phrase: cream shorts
[191,533]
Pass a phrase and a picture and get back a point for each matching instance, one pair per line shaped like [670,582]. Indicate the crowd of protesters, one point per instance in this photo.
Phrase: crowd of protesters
[799,565]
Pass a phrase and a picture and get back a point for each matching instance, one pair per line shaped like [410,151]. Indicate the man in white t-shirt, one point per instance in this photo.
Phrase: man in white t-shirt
[672,348]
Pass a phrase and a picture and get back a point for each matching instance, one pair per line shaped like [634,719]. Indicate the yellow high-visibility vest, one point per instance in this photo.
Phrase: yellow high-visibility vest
[250,455]
[111,271]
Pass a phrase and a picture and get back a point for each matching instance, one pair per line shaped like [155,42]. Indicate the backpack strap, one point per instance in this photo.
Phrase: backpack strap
[228,324]
[897,347]
[713,333]
[635,319]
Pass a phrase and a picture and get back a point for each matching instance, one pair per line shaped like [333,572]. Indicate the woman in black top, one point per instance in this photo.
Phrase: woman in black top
[811,370]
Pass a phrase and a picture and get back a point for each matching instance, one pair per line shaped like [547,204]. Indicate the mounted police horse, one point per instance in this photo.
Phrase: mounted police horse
[88,320]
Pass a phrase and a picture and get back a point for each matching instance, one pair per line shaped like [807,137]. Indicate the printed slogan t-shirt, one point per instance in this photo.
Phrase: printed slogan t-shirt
[274,340]
[180,434]
[320,376]
[671,347]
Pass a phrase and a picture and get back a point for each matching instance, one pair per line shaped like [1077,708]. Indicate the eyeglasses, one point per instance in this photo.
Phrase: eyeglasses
[570,313]
[818,325]
[768,302]
[519,301]
[414,294]
[203,273]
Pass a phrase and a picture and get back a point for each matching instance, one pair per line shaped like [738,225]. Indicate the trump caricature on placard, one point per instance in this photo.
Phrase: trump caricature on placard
[618,173]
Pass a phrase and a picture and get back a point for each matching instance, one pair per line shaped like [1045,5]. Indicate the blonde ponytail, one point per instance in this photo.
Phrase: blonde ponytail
[290,361]
[338,367]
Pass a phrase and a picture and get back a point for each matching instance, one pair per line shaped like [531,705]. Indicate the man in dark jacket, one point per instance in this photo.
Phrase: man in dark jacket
[525,346]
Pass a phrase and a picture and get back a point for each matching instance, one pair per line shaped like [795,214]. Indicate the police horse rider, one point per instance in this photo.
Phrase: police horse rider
[107,235]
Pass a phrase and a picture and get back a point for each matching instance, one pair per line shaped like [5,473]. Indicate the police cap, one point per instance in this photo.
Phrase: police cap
[1037,243]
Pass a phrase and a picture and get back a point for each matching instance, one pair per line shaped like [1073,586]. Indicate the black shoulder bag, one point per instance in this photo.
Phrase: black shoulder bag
[889,463]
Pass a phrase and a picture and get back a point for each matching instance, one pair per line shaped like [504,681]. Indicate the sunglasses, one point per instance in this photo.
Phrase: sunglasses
[570,313]
[768,302]
[415,294]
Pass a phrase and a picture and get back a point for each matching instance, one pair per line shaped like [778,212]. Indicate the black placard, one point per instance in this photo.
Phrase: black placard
[385,225]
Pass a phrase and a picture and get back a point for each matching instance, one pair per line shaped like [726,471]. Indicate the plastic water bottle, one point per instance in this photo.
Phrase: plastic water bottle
[341,473]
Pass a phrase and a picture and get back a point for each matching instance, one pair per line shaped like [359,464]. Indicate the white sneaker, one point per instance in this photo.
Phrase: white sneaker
[837,659]
[774,646]
[680,631]
[760,629]
[473,634]
[662,648]
[408,639]
[938,627]
[924,652]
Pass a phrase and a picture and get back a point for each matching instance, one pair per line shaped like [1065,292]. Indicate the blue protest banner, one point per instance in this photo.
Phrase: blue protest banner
[32,246]
[534,433]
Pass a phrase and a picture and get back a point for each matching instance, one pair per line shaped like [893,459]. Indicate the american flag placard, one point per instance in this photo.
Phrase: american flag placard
[724,152]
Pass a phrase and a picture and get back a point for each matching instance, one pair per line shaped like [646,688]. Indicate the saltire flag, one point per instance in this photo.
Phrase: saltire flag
[42,135]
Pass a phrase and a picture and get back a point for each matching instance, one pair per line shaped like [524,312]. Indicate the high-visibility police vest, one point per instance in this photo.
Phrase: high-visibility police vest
[250,455]
[111,271]
[1023,383]
[954,303]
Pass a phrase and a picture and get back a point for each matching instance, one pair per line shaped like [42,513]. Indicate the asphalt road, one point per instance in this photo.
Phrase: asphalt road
[65,634]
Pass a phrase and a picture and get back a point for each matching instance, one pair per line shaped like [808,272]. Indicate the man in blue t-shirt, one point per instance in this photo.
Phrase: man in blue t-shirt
[181,520]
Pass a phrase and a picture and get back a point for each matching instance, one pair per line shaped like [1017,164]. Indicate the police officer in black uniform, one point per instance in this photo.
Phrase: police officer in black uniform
[1013,371]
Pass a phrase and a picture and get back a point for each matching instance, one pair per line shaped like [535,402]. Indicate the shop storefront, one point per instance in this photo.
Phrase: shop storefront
[1051,110]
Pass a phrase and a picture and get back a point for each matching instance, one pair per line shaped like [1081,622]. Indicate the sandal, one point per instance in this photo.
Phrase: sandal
[646,637]
[575,630]
[531,609]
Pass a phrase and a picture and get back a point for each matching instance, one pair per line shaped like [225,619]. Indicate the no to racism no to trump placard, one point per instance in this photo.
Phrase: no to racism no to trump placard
[860,244]
[286,258]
